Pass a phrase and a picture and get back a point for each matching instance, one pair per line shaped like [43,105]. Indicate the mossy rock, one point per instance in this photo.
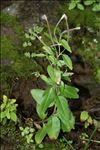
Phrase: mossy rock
[13,61]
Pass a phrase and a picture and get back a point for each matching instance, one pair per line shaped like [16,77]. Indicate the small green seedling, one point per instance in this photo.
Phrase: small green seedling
[27,132]
[8,110]
[86,118]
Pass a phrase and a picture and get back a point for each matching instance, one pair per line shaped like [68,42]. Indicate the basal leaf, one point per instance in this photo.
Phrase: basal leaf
[41,134]
[68,61]
[53,127]
[65,44]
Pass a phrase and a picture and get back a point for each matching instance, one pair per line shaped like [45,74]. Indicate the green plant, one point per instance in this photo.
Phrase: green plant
[27,132]
[77,3]
[57,93]
[8,110]
[86,118]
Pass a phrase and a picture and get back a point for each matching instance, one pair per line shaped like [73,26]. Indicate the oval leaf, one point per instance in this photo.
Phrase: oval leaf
[80,6]
[72,5]
[41,134]
[70,92]
[37,94]
[65,114]
[54,127]
[47,100]
[84,116]
[68,61]
[13,116]
[65,44]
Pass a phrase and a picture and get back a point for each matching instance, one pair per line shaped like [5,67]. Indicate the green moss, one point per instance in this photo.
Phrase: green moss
[20,65]
[14,63]
[12,21]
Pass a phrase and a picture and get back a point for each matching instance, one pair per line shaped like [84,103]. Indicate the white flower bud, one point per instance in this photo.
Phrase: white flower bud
[64,16]
[44,17]
[78,28]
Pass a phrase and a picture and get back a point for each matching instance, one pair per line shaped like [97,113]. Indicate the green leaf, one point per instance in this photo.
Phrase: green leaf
[3,105]
[48,50]
[88,2]
[54,74]
[54,127]
[84,116]
[72,5]
[52,59]
[68,61]
[80,6]
[60,63]
[50,70]
[13,108]
[5,99]
[13,116]
[12,101]
[48,98]
[70,92]
[29,43]
[63,108]
[25,44]
[64,114]
[41,134]
[65,44]
[47,80]
[62,87]
[37,94]
[27,35]
[96,7]
[8,114]
[71,124]
[37,55]
[2,115]
[21,128]
[38,29]
[27,54]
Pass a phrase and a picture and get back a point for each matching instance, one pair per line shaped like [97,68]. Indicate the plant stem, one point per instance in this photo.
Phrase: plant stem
[50,31]
[95,141]
[69,144]
[87,145]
